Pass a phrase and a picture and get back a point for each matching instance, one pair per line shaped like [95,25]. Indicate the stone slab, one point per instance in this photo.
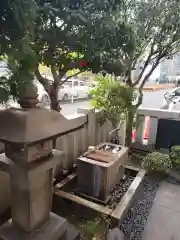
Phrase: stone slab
[168,195]
[164,218]
[174,174]
[71,234]
[105,210]
[55,229]
[162,224]
[115,234]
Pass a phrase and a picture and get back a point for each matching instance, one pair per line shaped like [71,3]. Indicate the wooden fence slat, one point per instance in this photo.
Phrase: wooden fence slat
[104,132]
[97,127]
[153,131]
[139,130]
[68,148]
[109,129]
[99,130]
[59,143]
[122,133]
[77,145]
[84,139]
[92,126]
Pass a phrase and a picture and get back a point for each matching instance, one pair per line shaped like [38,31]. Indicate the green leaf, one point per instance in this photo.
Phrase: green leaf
[4,95]
[113,97]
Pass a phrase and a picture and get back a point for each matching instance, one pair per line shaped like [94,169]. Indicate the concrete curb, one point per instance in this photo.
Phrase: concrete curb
[158,87]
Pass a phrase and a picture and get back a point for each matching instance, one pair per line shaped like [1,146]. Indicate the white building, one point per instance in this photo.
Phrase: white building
[170,68]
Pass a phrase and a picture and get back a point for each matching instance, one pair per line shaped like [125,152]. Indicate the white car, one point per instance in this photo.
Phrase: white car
[172,99]
[73,88]
[43,97]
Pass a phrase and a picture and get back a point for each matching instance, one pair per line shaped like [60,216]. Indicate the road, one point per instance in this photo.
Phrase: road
[150,100]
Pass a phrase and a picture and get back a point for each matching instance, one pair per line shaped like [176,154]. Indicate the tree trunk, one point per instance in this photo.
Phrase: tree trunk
[53,94]
[52,90]
[129,128]
[130,118]
[55,103]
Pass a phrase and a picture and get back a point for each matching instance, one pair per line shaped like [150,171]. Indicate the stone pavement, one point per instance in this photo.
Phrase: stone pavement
[164,219]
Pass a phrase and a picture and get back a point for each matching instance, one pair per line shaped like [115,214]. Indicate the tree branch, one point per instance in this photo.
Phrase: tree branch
[148,60]
[129,80]
[145,65]
[150,72]
[140,98]
[143,70]
[62,82]
[55,75]
[44,81]
[62,73]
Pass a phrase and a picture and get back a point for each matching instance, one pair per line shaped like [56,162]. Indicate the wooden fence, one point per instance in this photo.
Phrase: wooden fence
[77,142]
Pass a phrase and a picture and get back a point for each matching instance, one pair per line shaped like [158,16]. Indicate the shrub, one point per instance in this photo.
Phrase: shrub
[114,98]
[157,162]
[175,156]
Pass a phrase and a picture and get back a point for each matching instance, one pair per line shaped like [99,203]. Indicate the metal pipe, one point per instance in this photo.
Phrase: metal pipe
[114,130]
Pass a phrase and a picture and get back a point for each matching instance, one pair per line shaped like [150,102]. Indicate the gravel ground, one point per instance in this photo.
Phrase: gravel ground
[172,181]
[119,191]
[135,220]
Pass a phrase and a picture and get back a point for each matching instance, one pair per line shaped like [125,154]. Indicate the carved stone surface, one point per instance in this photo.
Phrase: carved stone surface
[34,125]
[32,192]
[22,153]
[29,97]
[54,229]
[28,135]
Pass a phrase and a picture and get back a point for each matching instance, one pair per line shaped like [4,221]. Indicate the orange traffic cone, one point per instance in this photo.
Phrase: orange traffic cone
[147,127]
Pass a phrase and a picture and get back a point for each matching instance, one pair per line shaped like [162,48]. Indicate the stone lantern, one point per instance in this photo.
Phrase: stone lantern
[28,133]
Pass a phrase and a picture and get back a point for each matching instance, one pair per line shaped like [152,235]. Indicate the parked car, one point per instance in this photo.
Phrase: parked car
[172,99]
[73,88]
[43,97]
